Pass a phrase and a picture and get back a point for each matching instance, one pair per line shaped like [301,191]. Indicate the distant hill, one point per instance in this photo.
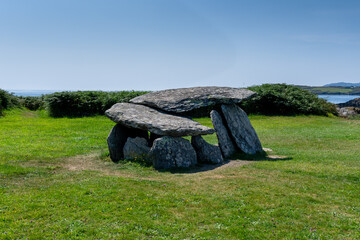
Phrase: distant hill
[342,84]
[333,90]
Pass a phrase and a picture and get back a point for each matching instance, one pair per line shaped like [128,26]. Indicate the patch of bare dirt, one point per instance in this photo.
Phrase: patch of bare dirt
[29,114]
[277,157]
[92,162]
[267,149]
[82,163]
[235,163]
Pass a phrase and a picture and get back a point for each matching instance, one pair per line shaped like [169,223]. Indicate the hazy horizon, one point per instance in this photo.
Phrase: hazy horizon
[59,90]
[158,44]
[56,90]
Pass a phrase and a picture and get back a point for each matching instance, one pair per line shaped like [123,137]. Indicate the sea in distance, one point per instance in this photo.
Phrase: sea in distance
[35,93]
[338,98]
[32,93]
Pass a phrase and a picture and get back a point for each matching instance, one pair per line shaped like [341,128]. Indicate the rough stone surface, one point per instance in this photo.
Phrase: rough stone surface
[117,139]
[348,111]
[241,129]
[206,153]
[170,152]
[226,145]
[186,99]
[136,148]
[155,121]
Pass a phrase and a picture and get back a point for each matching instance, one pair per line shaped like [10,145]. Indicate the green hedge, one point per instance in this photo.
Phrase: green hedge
[282,99]
[7,100]
[85,103]
[272,99]
[32,103]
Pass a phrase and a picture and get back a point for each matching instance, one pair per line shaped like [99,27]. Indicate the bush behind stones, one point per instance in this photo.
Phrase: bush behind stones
[32,103]
[7,100]
[85,103]
[283,99]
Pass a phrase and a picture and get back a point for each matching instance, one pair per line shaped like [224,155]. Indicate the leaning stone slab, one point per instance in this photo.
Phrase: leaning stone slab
[206,152]
[170,152]
[226,145]
[241,129]
[155,121]
[117,138]
[186,99]
[136,148]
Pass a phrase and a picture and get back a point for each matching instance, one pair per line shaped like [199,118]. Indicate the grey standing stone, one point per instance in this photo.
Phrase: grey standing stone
[241,129]
[170,152]
[136,148]
[155,121]
[117,139]
[206,152]
[225,143]
[186,99]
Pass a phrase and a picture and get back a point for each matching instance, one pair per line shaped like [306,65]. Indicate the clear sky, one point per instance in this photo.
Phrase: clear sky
[160,44]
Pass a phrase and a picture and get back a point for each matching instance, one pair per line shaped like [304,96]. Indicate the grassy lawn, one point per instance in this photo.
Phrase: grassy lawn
[333,89]
[56,181]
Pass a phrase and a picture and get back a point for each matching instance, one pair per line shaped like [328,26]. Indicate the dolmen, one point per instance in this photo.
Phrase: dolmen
[152,127]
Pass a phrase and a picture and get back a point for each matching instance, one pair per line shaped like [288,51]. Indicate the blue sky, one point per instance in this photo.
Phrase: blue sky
[160,44]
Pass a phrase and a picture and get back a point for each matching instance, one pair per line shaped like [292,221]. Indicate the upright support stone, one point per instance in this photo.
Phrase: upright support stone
[206,152]
[136,148]
[241,129]
[117,139]
[172,152]
[226,145]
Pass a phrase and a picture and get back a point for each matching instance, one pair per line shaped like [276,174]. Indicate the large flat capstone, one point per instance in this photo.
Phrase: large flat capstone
[186,99]
[155,121]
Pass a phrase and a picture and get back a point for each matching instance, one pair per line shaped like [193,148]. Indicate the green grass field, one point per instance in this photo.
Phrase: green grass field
[333,89]
[56,182]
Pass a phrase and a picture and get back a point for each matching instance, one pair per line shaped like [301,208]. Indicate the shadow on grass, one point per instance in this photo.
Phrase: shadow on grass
[141,162]
[260,156]
[236,160]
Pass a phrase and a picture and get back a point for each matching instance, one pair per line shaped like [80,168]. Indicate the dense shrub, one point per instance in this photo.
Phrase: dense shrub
[7,100]
[110,98]
[32,103]
[282,99]
[85,103]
